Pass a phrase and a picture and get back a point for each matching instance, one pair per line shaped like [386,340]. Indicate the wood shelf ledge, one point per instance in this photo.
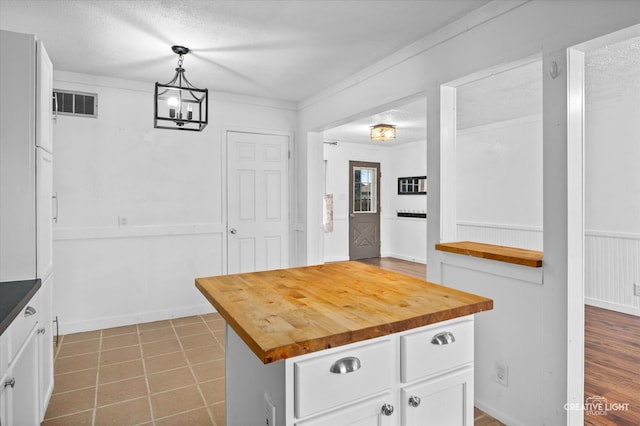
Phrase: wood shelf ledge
[518,256]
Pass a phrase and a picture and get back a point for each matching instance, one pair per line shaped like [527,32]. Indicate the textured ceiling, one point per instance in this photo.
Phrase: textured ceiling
[410,121]
[613,70]
[290,50]
[610,71]
[513,93]
[286,50]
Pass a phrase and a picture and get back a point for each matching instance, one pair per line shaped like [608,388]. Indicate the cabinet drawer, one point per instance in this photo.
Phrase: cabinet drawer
[436,349]
[341,377]
[23,324]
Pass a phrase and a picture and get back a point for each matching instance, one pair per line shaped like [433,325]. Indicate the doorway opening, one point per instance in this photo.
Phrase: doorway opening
[604,231]
[401,237]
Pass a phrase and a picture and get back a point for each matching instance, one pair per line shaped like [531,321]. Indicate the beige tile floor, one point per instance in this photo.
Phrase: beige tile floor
[161,373]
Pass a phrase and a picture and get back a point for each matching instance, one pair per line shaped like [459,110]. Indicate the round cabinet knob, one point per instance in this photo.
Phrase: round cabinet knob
[414,401]
[387,409]
[233,231]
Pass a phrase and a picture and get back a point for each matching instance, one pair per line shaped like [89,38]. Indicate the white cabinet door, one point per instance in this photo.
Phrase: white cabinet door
[4,400]
[45,345]
[23,395]
[44,230]
[17,133]
[44,93]
[367,413]
[443,401]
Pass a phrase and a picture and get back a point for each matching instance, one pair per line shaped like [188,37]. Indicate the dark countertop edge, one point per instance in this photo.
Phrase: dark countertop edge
[19,295]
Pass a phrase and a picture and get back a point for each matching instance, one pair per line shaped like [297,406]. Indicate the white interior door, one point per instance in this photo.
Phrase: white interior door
[257,202]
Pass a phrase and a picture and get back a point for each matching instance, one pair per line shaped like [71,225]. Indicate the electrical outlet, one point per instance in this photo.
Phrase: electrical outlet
[269,412]
[502,374]
[122,221]
[636,289]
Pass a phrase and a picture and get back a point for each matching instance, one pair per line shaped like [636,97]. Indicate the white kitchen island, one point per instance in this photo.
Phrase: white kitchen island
[345,344]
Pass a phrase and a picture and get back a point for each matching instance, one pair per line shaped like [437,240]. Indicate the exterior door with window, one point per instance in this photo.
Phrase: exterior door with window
[364,210]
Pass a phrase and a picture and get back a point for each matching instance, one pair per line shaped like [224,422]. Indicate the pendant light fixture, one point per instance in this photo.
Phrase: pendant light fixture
[179,105]
[382,132]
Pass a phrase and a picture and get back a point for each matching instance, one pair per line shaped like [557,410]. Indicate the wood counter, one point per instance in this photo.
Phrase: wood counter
[289,312]
[518,256]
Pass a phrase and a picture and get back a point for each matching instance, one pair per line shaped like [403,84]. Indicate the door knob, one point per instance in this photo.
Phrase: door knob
[387,409]
[414,401]
[233,231]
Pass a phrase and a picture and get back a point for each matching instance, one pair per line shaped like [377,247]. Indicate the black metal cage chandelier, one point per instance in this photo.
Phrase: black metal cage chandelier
[179,105]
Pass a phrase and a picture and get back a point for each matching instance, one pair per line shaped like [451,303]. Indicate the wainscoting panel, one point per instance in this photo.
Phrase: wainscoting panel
[527,237]
[612,266]
[109,278]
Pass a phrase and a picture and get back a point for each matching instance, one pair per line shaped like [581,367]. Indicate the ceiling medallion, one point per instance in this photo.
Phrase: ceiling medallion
[382,132]
[179,105]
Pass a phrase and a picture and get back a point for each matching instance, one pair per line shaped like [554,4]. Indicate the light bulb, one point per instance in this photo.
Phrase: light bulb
[173,103]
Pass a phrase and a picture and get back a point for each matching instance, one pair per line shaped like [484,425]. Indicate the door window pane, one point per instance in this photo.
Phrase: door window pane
[365,182]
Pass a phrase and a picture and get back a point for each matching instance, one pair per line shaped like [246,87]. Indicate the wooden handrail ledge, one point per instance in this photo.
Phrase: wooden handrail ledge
[531,258]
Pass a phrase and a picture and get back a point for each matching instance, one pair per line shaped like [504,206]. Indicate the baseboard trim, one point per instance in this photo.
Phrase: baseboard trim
[496,414]
[335,259]
[407,258]
[119,321]
[624,309]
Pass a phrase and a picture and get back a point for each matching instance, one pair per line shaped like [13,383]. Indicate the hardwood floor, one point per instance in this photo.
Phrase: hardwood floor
[612,367]
[398,265]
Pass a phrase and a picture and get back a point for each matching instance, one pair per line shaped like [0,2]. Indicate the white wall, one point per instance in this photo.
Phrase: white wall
[612,200]
[501,32]
[403,238]
[406,236]
[499,183]
[141,210]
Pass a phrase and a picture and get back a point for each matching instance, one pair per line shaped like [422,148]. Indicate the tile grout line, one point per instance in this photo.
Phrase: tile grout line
[193,374]
[146,376]
[95,400]
[209,409]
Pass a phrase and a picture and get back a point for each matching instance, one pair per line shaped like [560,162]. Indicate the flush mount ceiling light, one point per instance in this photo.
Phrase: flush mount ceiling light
[383,132]
[179,105]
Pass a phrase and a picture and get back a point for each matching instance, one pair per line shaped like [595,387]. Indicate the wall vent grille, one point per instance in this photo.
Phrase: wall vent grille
[75,103]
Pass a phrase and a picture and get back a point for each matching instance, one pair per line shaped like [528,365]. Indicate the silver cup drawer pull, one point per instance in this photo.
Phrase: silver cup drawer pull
[29,311]
[346,365]
[443,338]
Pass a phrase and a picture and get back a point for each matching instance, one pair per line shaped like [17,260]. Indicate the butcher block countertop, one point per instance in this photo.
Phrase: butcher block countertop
[518,256]
[289,312]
